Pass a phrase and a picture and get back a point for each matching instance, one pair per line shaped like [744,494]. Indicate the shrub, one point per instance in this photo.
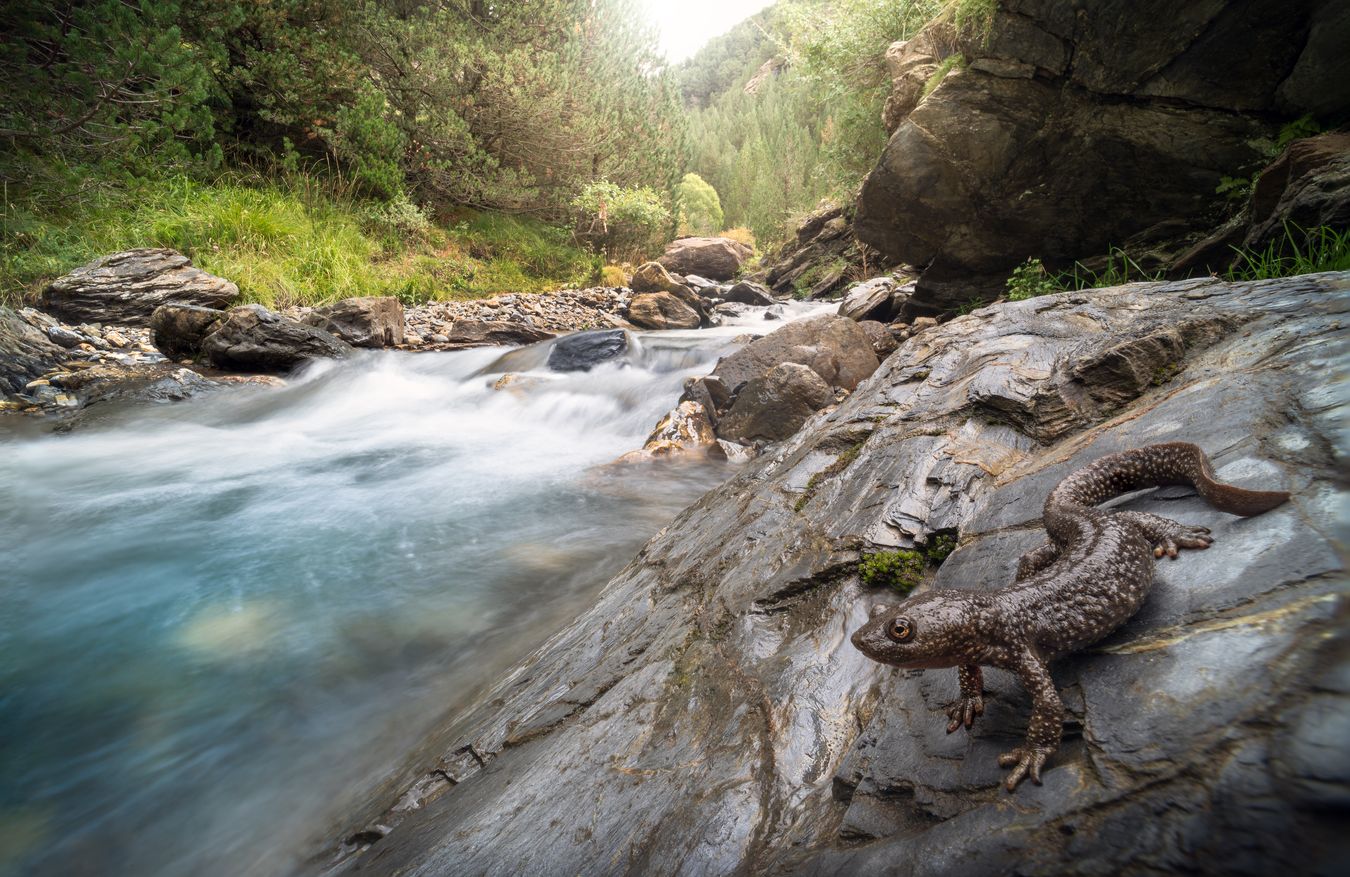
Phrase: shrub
[698,210]
[618,222]
[900,570]
[1029,280]
[939,548]
[740,235]
[613,275]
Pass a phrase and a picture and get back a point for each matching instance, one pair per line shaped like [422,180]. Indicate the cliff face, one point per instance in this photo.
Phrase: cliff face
[1072,128]
[709,715]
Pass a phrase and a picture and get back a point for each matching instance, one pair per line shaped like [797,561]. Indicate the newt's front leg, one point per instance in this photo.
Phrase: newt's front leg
[1046,726]
[971,704]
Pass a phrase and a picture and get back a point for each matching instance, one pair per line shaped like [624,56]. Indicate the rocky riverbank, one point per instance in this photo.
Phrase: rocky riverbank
[709,714]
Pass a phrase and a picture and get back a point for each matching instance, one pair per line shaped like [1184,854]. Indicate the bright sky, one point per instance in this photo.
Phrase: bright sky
[686,25]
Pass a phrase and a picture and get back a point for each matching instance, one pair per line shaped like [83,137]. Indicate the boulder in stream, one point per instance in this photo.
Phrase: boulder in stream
[366,321]
[662,310]
[179,330]
[583,351]
[714,258]
[775,405]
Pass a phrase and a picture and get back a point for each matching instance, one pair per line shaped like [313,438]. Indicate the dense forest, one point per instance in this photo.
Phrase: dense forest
[316,148]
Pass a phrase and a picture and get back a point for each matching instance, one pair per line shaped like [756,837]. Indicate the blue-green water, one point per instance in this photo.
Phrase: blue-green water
[225,619]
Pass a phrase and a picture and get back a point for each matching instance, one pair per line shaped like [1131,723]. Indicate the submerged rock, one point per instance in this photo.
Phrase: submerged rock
[585,350]
[709,715]
[252,338]
[125,288]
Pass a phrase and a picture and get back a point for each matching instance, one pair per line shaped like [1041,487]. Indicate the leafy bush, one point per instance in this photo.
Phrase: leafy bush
[939,548]
[622,223]
[613,275]
[901,570]
[1029,280]
[698,210]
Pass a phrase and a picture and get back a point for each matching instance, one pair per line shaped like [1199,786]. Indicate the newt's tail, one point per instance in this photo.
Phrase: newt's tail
[1155,466]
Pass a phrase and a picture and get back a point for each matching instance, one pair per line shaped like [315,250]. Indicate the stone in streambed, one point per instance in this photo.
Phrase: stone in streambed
[773,407]
[585,350]
[662,310]
[715,258]
[367,321]
[252,338]
[179,330]
[834,345]
[750,293]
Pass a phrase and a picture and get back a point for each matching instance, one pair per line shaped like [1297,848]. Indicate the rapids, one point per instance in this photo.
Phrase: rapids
[226,618]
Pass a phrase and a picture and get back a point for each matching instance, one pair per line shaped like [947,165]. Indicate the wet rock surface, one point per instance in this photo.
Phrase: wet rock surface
[430,326]
[708,715]
[585,350]
[125,288]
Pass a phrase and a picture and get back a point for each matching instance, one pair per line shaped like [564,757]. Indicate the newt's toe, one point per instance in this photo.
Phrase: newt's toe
[1024,763]
[964,712]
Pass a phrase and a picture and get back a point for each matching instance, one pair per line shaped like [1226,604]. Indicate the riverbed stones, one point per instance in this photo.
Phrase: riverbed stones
[125,288]
[585,350]
[775,405]
[662,310]
[714,258]
[179,330]
[366,321]
[709,714]
[251,338]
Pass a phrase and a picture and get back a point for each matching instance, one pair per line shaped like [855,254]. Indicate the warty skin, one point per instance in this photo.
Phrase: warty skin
[1090,576]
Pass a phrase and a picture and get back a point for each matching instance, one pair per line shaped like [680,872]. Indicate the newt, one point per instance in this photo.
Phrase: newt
[1093,573]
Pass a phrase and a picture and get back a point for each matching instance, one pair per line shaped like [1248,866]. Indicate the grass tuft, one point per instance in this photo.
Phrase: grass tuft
[1301,252]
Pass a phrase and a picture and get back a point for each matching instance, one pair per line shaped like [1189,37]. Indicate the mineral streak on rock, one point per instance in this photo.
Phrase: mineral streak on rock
[709,715]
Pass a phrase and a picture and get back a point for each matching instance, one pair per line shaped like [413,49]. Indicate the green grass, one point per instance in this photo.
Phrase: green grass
[284,241]
[950,63]
[1301,252]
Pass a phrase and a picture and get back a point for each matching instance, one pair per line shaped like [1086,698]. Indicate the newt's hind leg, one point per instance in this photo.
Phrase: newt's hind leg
[1036,560]
[1168,536]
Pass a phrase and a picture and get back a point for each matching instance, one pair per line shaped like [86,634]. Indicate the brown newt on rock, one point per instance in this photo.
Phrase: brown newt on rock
[1092,574]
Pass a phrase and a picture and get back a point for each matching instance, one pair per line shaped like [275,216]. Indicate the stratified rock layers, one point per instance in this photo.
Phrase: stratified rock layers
[709,715]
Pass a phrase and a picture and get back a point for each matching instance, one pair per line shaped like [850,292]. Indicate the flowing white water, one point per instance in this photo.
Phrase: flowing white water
[225,619]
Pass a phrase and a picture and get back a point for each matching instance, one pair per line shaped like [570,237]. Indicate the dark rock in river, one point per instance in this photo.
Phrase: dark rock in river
[715,258]
[179,330]
[585,350]
[251,338]
[775,405]
[125,288]
[25,353]
[749,293]
[367,321]
[710,716]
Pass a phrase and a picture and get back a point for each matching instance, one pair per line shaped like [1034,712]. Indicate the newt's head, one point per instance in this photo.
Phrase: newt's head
[937,629]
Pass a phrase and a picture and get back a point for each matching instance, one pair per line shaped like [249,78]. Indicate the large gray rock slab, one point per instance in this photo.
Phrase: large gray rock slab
[251,338]
[125,288]
[709,716]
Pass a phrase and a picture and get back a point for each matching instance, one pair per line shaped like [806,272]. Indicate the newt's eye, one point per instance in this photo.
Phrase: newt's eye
[900,629]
